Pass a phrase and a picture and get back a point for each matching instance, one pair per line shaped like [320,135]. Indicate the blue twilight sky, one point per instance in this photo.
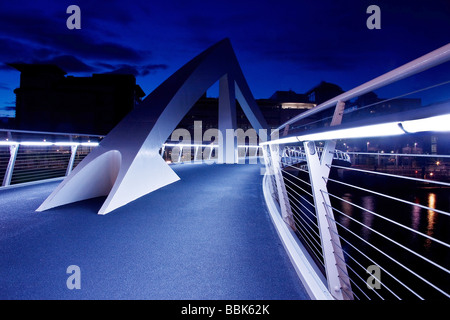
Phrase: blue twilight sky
[280,44]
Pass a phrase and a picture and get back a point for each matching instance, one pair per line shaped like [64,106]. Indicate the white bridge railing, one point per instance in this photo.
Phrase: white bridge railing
[362,223]
[28,156]
[181,152]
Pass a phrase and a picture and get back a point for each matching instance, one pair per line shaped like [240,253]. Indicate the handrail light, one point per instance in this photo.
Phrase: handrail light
[436,124]
[48,144]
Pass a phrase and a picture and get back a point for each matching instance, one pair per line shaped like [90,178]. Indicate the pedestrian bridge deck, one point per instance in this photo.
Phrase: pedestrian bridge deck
[207,236]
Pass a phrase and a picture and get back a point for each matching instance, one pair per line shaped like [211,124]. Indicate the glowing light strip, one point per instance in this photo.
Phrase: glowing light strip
[436,124]
[201,145]
[48,144]
[7,143]
[94,144]
[66,144]
[35,143]
[181,144]
[89,144]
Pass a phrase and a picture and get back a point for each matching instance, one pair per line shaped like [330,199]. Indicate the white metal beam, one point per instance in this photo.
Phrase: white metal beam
[137,139]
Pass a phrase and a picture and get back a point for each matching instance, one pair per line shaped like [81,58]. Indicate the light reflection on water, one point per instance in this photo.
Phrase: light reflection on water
[415,217]
[368,202]
[347,208]
[423,250]
[431,217]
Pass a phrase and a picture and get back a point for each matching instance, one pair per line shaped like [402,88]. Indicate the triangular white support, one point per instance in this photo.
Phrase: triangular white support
[127,164]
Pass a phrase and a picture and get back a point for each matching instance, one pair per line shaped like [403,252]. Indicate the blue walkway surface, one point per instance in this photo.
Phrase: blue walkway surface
[207,236]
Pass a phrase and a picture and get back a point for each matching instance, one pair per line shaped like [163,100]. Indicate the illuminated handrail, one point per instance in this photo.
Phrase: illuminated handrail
[30,156]
[244,151]
[423,63]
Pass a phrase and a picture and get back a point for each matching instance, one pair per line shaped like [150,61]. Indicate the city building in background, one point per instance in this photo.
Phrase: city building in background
[48,100]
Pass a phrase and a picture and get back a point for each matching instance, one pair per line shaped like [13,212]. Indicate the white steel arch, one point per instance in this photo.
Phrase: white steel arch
[135,166]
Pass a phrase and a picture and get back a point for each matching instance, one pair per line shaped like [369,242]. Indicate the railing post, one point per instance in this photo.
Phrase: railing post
[335,267]
[227,120]
[13,149]
[196,153]
[73,153]
[210,152]
[285,206]
[319,164]
[181,153]
[269,170]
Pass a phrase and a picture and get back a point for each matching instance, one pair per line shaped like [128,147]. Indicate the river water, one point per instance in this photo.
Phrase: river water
[398,245]
[409,258]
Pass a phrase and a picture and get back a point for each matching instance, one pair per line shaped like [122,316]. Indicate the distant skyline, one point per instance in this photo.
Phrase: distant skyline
[281,45]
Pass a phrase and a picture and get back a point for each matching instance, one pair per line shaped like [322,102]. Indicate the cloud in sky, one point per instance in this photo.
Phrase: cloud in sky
[137,70]
[31,36]
[8,109]
[68,63]
[4,86]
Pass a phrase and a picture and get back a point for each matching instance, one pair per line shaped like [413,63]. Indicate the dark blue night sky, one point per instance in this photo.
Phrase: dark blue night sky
[281,45]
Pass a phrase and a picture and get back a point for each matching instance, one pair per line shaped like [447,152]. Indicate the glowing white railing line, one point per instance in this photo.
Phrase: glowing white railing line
[437,124]
[181,144]
[197,146]
[43,148]
[447,184]
[48,144]
[34,161]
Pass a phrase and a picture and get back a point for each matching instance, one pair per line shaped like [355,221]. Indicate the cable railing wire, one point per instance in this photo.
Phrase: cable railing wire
[392,259]
[305,236]
[313,244]
[362,267]
[39,156]
[379,250]
[300,215]
[390,220]
[353,282]
[388,196]
[393,175]
[308,193]
[310,240]
[394,242]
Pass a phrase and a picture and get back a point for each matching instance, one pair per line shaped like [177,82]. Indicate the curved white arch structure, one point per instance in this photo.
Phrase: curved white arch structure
[127,164]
